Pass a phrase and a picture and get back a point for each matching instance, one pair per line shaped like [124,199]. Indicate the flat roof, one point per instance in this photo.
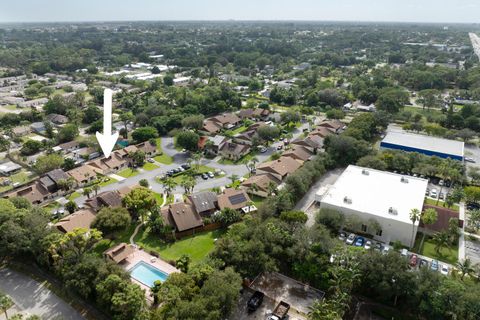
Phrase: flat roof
[379,193]
[423,142]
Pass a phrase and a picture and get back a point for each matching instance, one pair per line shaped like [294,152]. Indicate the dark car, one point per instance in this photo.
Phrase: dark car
[359,242]
[255,301]
[473,206]
[423,263]
[185,166]
[204,176]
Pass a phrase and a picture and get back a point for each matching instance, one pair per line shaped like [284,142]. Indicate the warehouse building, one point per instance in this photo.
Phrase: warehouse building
[427,145]
[379,197]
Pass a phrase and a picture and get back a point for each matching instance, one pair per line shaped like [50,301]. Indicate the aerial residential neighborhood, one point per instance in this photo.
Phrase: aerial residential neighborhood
[194,163]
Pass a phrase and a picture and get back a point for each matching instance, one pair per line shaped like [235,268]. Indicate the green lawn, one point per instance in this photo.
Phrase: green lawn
[197,247]
[428,249]
[123,236]
[127,173]
[106,183]
[425,113]
[74,196]
[10,107]
[149,166]
[158,197]
[51,206]
[20,177]
[162,158]
[256,200]
[237,130]
[433,202]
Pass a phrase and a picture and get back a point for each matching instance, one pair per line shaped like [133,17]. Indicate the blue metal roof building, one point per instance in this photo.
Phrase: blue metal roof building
[427,145]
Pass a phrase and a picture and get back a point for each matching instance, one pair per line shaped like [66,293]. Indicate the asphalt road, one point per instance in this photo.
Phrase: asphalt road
[31,297]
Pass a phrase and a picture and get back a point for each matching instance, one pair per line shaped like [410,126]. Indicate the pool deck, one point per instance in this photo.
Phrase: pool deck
[140,255]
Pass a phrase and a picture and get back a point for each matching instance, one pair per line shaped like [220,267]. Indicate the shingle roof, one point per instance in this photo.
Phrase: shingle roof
[204,201]
[262,181]
[182,216]
[282,166]
[233,199]
[78,219]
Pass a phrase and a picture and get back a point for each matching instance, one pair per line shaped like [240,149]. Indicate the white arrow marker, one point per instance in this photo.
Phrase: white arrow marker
[107,140]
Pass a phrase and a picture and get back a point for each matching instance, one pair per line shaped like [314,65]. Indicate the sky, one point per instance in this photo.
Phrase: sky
[465,11]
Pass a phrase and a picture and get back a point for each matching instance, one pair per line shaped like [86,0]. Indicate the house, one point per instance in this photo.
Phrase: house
[68,147]
[57,118]
[233,199]
[226,120]
[110,199]
[322,132]
[217,143]
[245,114]
[8,168]
[51,181]
[254,114]
[148,148]
[21,131]
[383,202]
[336,125]
[234,151]
[280,168]
[311,143]
[211,127]
[38,127]
[298,153]
[117,161]
[181,216]
[33,103]
[79,219]
[83,175]
[245,137]
[261,185]
[204,203]
[119,253]
[202,141]
[35,193]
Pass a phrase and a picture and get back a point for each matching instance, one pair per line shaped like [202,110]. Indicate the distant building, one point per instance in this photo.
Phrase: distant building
[8,168]
[427,145]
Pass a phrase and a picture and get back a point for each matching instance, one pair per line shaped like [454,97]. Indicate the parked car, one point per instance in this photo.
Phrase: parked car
[413,261]
[255,301]
[210,174]
[280,147]
[386,249]
[351,238]
[444,270]
[368,244]
[441,196]
[204,176]
[473,206]
[185,166]
[434,265]
[359,242]
[468,159]
[427,192]
[262,149]
[342,236]
[150,160]
[377,247]
[433,193]
[448,183]
[441,182]
[404,252]
[423,263]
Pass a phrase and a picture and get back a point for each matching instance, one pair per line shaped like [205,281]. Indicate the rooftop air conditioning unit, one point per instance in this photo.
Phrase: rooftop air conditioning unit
[365,172]
[404,180]
[392,211]
[347,200]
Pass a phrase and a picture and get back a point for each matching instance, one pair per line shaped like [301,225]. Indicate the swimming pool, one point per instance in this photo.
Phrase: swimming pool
[147,274]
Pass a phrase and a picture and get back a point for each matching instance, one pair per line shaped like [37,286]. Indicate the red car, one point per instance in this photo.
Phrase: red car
[413,260]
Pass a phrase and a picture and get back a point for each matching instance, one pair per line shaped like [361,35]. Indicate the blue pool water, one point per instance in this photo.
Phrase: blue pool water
[147,274]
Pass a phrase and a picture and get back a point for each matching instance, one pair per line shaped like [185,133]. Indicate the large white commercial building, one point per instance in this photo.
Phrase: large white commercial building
[383,196]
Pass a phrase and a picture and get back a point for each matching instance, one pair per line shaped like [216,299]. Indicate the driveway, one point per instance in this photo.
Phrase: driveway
[31,297]
[328,178]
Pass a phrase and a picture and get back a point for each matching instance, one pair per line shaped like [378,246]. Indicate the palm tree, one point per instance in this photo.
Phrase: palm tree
[95,188]
[168,185]
[466,268]
[126,117]
[251,164]
[272,188]
[197,156]
[428,217]
[234,178]
[5,304]
[87,192]
[441,240]
[188,183]
[414,217]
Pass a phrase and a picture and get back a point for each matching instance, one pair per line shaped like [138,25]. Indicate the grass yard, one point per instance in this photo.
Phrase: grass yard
[162,158]
[433,202]
[197,247]
[74,196]
[449,255]
[238,130]
[123,236]
[20,177]
[159,198]
[425,113]
[10,107]
[256,200]
[127,173]
[106,183]
[149,166]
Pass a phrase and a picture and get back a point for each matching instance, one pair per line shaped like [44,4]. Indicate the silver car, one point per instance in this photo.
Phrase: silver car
[351,238]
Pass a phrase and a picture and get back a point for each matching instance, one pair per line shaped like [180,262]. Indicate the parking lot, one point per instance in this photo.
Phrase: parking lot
[415,260]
